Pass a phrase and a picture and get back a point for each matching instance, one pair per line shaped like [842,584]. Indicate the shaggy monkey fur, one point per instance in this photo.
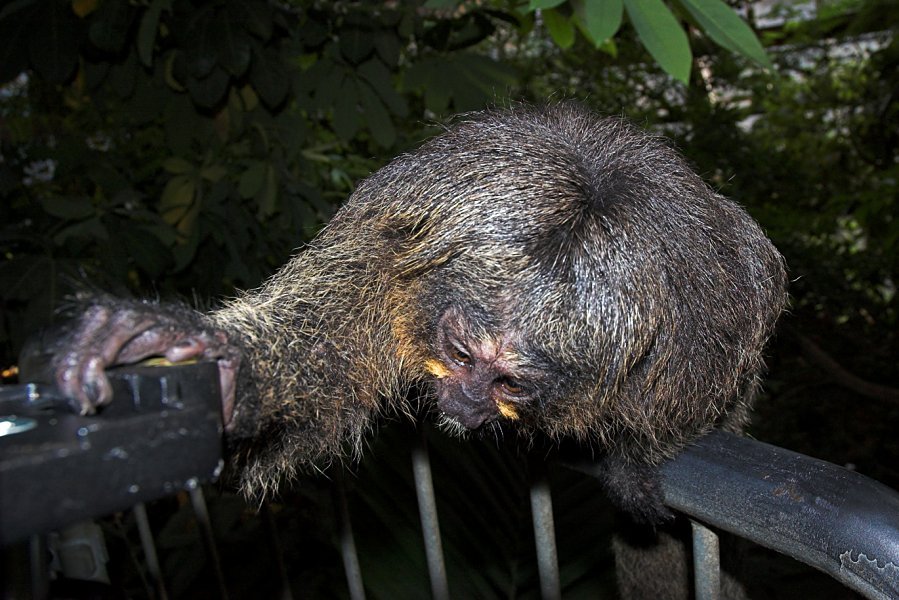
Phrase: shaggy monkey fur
[538,267]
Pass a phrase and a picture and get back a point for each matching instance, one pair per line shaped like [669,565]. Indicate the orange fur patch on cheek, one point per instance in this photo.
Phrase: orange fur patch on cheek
[437,368]
[507,410]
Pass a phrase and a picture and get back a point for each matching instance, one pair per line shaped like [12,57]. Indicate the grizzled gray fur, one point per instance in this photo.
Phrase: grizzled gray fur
[540,268]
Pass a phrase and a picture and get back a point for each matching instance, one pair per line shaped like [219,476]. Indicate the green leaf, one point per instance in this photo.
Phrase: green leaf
[485,74]
[110,27]
[213,172]
[662,36]
[149,25]
[560,28]
[200,48]
[376,74]
[123,76]
[356,45]
[267,198]
[345,113]
[599,20]
[470,80]
[178,204]
[252,180]
[209,91]
[429,74]
[148,252]
[269,77]
[232,45]
[254,15]
[376,117]
[177,165]
[68,207]
[388,47]
[727,29]
[440,4]
[544,4]
[91,228]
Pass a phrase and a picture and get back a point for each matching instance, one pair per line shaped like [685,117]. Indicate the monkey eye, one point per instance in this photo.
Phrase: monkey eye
[510,386]
[459,356]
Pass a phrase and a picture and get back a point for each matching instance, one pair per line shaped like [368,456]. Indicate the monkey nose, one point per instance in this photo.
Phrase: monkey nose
[469,413]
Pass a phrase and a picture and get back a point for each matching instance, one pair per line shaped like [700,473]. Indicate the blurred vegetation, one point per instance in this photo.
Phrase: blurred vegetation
[187,147]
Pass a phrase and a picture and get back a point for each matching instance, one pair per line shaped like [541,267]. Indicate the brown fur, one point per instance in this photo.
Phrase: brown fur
[575,256]
[644,295]
[571,257]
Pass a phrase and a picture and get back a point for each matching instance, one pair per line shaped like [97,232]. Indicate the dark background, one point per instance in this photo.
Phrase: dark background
[185,149]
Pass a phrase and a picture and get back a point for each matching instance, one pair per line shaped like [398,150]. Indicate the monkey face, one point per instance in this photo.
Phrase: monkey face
[479,377]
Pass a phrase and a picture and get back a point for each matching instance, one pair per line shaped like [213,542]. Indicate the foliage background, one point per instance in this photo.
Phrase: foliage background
[178,147]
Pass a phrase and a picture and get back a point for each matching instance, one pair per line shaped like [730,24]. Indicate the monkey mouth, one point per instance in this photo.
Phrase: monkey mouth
[451,426]
[471,417]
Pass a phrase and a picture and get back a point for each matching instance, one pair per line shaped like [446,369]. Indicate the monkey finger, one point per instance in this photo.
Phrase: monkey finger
[186,349]
[95,385]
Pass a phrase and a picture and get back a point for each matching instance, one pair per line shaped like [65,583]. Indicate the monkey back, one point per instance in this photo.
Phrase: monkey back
[644,296]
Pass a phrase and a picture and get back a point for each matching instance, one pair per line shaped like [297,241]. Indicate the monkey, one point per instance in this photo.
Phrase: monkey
[539,268]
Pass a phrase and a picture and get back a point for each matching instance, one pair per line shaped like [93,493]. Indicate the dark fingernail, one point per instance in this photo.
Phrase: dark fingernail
[92,391]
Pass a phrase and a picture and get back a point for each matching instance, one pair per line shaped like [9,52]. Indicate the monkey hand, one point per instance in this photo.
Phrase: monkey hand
[111,332]
[636,489]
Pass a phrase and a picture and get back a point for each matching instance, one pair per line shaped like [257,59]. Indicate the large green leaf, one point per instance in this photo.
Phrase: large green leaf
[727,29]
[232,44]
[376,116]
[179,205]
[356,44]
[662,36]
[68,207]
[544,4]
[598,20]
[149,25]
[376,74]
[346,110]
[426,75]
[200,48]
[254,15]
[110,29]
[209,91]
[268,76]
[470,80]
[560,28]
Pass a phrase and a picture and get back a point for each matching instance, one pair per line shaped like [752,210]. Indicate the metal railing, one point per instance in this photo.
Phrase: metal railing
[833,519]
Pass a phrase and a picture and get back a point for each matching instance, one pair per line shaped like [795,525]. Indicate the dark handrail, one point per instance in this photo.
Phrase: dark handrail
[834,519]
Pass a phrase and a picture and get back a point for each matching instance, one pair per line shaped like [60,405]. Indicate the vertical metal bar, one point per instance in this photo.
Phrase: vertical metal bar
[347,541]
[544,533]
[149,547]
[706,563]
[40,570]
[275,548]
[427,510]
[202,514]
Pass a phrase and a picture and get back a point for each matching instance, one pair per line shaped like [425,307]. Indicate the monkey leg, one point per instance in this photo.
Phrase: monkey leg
[111,332]
[635,488]
[657,562]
